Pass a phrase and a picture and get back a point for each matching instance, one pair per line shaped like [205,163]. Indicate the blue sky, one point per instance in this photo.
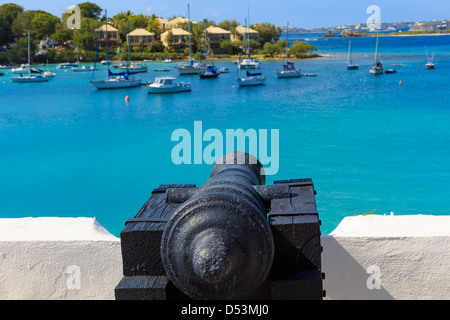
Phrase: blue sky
[299,13]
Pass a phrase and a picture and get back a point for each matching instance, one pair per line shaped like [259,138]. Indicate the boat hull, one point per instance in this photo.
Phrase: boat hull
[247,82]
[352,67]
[174,89]
[187,70]
[28,79]
[105,84]
[288,74]
[376,71]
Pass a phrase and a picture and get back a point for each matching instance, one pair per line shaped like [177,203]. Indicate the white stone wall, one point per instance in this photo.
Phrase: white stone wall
[388,257]
[366,257]
[58,258]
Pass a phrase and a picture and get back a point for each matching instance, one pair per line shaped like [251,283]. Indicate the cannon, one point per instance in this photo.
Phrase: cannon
[233,238]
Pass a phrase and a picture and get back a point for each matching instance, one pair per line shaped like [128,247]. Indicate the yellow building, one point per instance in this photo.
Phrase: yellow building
[178,36]
[216,35]
[140,37]
[242,32]
[111,32]
[175,23]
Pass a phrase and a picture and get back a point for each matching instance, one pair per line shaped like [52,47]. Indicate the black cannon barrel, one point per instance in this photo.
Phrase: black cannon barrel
[218,244]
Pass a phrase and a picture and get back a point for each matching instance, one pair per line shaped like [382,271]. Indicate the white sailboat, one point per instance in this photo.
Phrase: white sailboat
[192,67]
[48,74]
[350,64]
[115,80]
[289,70]
[377,67]
[30,77]
[248,62]
[251,79]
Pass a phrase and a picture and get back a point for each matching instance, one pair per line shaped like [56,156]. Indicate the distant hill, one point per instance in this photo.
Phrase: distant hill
[428,26]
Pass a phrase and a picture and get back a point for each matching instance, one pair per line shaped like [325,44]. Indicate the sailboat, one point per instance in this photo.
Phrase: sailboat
[350,65]
[377,67]
[251,79]
[249,62]
[289,70]
[48,74]
[211,70]
[430,64]
[68,65]
[29,78]
[191,67]
[114,80]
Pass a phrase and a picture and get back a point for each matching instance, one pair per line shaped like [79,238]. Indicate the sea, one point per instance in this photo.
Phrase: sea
[377,144]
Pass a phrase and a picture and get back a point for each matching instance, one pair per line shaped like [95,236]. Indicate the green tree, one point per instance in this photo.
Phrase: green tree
[86,37]
[8,13]
[43,24]
[267,32]
[62,35]
[18,53]
[90,10]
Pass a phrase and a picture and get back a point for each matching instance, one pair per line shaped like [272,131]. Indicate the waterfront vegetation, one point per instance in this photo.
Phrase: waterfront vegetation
[15,22]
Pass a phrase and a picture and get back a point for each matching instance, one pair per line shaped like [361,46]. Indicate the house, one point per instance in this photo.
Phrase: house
[242,32]
[113,36]
[175,23]
[216,35]
[179,36]
[140,37]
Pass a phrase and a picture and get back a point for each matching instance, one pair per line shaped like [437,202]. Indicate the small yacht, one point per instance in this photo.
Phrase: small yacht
[167,85]
[83,69]
[29,77]
[377,67]
[105,62]
[252,79]
[249,63]
[430,64]
[211,72]
[350,64]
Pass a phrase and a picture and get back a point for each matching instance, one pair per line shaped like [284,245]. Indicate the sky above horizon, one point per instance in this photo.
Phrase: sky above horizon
[299,13]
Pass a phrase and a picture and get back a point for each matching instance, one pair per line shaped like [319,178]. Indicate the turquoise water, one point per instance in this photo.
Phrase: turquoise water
[367,142]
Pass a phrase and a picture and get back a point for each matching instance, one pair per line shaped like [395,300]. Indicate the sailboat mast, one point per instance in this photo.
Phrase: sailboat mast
[349,58]
[248,32]
[29,62]
[189,27]
[107,44]
[376,51]
[287,42]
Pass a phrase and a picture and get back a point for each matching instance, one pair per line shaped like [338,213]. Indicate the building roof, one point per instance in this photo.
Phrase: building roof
[217,30]
[140,32]
[242,30]
[110,28]
[176,32]
[178,20]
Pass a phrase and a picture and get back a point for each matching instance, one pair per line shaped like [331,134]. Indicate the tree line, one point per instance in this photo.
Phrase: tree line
[15,22]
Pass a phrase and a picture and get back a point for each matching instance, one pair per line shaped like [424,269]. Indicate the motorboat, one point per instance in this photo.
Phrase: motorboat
[167,85]
[249,63]
[83,69]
